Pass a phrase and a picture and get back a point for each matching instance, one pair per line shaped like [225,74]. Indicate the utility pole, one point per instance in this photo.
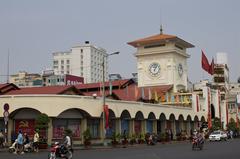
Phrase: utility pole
[103,94]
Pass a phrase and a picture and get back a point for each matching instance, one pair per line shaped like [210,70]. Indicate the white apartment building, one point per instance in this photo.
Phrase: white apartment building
[84,60]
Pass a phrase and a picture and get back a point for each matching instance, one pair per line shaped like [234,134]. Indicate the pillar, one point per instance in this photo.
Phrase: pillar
[50,132]
[118,126]
[83,127]
[10,130]
[143,126]
[155,126]
[131,127]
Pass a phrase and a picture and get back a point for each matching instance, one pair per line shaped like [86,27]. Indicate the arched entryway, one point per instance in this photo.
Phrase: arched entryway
[161,124]
[150,122]
[72,119]
[212,111]
[125,121]
[196,123]
[138,127]
[179,124]
[111,124]
[23,119]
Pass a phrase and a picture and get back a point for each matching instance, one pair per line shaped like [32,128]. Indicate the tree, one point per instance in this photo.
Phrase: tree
[232,125]
[41,126]
[42,121]
[216,124]
[87,137]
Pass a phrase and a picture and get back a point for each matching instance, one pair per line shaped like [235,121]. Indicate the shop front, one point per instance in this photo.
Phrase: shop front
[69,119]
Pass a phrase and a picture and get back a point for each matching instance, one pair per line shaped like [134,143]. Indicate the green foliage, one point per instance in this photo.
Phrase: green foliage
[216,124]
[163,136]
[232,125]
[42,121]
[115,138]
[87,135]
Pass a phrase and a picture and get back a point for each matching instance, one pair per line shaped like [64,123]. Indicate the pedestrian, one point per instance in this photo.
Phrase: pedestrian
[35,141]
[20,142]
[231,134]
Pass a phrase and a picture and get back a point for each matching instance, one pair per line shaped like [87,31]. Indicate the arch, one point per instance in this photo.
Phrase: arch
[151,116]
[231,120]
[73,113]
[212,111]
[111,114]
[180,117]
[24,113]
[196,118]
[189,118]
[125,115]
[172,117]
[203,119]
[139,116]
[162,116]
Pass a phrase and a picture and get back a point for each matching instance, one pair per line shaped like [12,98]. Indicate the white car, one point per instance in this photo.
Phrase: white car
[218,136]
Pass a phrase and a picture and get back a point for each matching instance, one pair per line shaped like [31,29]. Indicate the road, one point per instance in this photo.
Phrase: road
[212,150]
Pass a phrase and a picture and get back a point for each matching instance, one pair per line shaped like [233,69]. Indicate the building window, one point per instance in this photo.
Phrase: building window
[153,46]
[55,62]
[68,61]
[81,50]
[179,47]
[59,125]
[62,62]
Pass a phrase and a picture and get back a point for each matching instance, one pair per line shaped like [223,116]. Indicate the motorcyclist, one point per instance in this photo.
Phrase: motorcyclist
[68,143]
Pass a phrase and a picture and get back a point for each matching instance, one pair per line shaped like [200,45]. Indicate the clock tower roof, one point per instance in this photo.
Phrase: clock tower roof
[159,38]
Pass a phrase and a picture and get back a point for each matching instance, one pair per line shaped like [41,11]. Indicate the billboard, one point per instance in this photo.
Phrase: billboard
[73,80]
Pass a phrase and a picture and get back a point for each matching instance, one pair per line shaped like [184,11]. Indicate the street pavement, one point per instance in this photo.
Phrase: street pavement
[212,150]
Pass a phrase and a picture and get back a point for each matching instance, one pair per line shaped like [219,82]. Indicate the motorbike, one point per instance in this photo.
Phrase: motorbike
[58,151]
[13,147]
[197,143]
[26,148]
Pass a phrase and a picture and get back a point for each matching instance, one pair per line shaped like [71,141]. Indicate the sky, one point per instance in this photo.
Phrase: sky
[31,30]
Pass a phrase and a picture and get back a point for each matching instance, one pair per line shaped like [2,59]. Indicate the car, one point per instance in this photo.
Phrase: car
[218,136]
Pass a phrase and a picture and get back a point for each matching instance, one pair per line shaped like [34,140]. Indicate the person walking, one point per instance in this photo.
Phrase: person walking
[20,143]
[35,141]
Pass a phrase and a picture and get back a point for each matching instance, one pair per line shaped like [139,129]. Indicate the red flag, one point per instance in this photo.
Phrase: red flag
[106,111]
[211,68]
[205,63]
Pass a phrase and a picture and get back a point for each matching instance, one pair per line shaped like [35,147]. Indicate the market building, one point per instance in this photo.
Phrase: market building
[160,101]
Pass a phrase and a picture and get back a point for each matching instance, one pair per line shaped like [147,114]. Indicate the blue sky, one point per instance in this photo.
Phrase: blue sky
[32,30]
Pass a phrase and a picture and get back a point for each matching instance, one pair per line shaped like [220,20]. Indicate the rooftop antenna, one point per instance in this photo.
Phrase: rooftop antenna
[8,67]
[161,27]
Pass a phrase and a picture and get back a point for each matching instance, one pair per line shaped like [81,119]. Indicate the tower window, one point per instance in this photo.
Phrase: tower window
[155,45]
[179,47]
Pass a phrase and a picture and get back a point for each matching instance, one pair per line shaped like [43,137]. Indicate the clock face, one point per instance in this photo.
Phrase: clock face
[180,70]
[154,69]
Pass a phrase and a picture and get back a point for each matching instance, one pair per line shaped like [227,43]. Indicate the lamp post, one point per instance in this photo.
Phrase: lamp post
[103,93]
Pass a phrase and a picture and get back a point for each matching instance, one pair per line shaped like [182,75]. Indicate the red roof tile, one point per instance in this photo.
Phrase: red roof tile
[99,84]
[40,90]
[133,93]
[157,38]
[3,85]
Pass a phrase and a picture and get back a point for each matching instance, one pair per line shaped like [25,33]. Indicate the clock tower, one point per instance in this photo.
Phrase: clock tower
[162,60]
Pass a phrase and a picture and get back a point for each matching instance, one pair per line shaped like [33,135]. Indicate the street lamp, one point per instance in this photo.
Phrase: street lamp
[103,93]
